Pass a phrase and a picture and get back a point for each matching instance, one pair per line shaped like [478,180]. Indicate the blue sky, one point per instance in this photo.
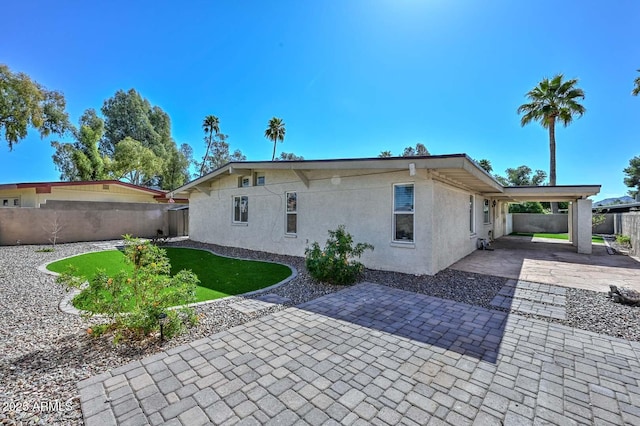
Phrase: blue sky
[350,78]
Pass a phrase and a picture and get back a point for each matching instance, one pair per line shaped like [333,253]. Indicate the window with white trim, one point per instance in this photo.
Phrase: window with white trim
[240,209]
[403,212]
[472,218]
[292,213]
[486,212]
[260,179]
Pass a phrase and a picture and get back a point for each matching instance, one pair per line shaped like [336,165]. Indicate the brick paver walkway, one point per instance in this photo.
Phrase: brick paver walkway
[371,354]
[533,298]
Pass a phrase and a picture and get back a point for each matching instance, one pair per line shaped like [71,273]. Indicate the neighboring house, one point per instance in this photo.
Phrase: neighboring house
[421,213]
[37,194]
[31,213]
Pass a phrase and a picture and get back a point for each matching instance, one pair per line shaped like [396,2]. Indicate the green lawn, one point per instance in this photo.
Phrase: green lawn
[219,276]
[594,238]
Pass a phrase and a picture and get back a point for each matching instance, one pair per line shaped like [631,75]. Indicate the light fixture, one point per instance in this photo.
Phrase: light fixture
[162,320]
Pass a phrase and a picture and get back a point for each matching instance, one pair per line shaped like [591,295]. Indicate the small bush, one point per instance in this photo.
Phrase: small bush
[133,301]
[336,263]
[623,239]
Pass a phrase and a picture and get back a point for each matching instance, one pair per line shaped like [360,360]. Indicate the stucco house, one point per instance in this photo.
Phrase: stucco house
[14,195]
[421,213]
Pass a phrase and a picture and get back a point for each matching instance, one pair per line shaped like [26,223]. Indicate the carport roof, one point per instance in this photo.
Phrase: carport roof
[546,193]
[456,169]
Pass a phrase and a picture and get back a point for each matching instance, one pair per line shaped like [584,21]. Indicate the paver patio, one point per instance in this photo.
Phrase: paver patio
[553,262]
[371,354]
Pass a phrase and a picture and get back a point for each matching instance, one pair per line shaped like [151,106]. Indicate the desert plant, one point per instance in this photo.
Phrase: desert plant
[134,301]
[597,219]
[623,239]
[336,264]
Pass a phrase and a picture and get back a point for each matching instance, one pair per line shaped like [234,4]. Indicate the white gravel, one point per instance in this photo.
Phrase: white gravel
[44,352]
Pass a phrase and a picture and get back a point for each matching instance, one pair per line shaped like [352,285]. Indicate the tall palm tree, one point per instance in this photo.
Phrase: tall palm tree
[552,100]
[275,132]
[210,125]
[636,90]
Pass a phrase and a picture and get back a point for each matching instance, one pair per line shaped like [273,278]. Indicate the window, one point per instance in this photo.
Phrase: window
[292,212]
[472,220]
[240,209]
[260,180]
[10,202]
[485,212]
[245,182]
[403,209]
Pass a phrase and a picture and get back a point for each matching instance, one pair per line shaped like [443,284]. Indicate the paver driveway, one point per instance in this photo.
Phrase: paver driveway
[371,354]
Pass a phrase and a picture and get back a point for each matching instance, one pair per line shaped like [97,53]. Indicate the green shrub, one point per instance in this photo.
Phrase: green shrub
[336,263]
[134,300]
[623,239]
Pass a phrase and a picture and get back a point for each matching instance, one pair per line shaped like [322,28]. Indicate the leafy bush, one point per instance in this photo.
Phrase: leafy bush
[133,301]
[623,239]
[526,207]
[335,264]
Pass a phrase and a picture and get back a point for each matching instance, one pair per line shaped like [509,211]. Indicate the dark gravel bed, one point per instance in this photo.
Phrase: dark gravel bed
[44,352]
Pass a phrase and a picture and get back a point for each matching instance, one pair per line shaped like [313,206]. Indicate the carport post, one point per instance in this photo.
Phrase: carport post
[583,225]
[572,231]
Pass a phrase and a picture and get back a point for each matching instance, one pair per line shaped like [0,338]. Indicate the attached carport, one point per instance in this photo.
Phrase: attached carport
[580,208]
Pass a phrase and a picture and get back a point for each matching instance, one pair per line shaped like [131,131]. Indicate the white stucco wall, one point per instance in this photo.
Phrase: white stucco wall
[452,239]
[362,200]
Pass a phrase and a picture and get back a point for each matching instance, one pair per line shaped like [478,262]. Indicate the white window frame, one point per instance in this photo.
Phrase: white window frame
[233,210]
[288,213]
[258,177]
[486,211]
[395,212]
[472,214]
[243,180]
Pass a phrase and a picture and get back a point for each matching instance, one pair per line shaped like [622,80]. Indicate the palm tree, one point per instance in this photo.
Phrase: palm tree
[275,132]
[553,100]
[636,90]
[210,125]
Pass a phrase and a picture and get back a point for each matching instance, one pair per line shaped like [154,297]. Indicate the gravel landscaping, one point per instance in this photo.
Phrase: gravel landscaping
[44,352]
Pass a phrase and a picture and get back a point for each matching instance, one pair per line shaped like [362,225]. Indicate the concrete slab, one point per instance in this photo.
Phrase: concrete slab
[553,262]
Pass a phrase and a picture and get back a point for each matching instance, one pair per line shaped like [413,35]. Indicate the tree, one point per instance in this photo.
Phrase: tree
[636,89]
[485,164]
[419,151]
[210,125]
[633,176]
[549,101]
[176,172]
[81,160]
[521,176]
[220,155]
[526,207]
[129,115]
[135,162]
[289,156]
[385,154]
[24,103]
[275,132]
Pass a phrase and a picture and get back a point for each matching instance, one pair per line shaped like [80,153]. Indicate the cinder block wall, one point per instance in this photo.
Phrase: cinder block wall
[532,222]
[81,221]
[630,225]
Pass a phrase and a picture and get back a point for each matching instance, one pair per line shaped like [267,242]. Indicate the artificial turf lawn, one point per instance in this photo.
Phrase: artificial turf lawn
[594,238]
[219,276]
